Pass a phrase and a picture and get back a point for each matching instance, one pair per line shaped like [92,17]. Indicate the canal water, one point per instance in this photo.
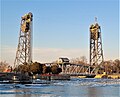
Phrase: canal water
[73,88]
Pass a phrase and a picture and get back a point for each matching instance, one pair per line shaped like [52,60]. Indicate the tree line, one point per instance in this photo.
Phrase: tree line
[109,66]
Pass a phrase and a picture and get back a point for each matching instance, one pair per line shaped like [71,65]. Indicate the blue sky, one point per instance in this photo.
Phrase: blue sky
[60,27]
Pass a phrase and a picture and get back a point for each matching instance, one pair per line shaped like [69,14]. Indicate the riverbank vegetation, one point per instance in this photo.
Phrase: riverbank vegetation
[109,66]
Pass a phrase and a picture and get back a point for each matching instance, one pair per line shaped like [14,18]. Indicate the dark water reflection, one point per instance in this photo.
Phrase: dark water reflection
[72,88]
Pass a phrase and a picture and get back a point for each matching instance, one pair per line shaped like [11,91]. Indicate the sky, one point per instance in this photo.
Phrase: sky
[60,28]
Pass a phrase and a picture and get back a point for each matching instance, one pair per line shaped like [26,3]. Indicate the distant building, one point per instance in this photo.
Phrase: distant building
[63,60]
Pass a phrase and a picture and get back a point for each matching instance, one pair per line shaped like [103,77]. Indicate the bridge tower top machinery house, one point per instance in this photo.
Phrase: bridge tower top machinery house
[24,49]
[96,51]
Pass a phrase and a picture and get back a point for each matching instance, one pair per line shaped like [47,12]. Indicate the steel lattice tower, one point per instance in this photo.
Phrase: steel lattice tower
[96,52]
[24,49]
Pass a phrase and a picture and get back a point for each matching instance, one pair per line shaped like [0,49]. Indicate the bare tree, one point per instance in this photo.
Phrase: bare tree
[3,66]
[82,60]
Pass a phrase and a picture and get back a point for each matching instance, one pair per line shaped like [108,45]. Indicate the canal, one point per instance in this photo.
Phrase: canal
[73,88]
